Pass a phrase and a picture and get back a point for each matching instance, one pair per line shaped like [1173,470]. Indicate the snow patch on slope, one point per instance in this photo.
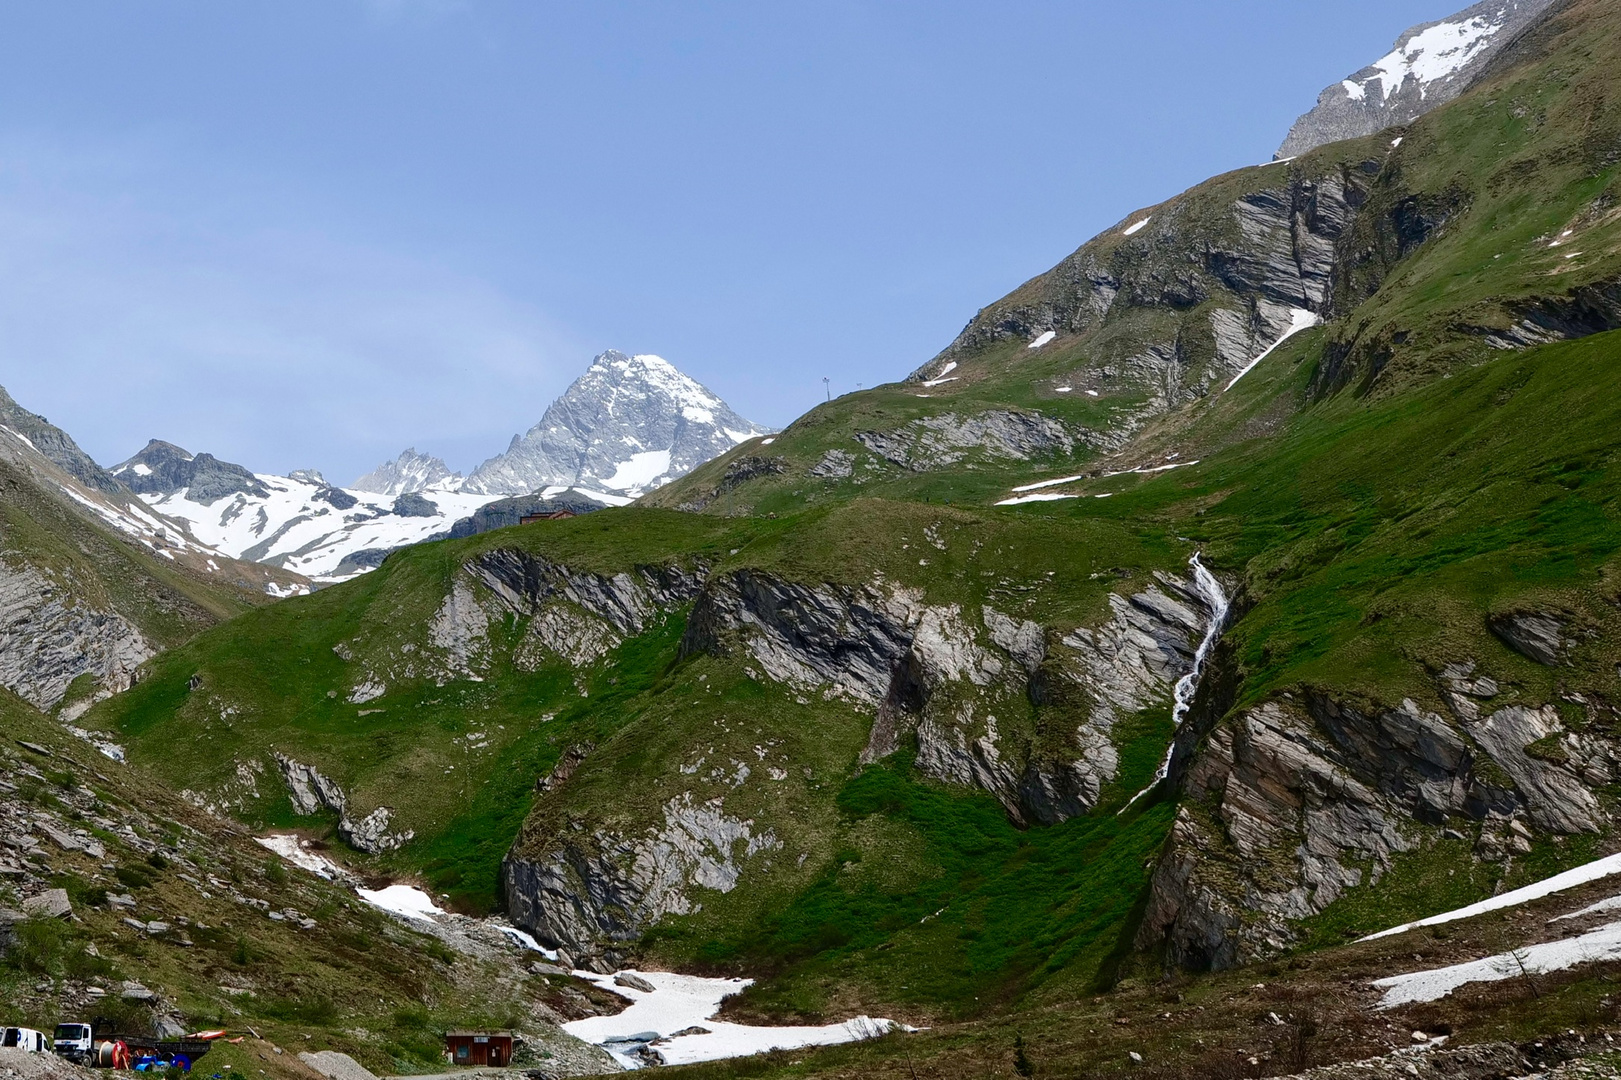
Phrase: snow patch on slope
[296,525]
[1570,879]
[1595,946]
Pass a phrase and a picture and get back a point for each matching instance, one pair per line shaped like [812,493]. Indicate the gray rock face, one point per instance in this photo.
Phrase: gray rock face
[614,887]
[629,424]
[1555,798]
[412,504]
[1578,313]
[525,583]
[1534,635]
[311,792]
[55,444]
[163,468]
[835,465]
[887,650]
[575,615]
[371,833]
[1226,283]
[839,639]
[506,512]
[1430,64]
[407,473]
[1285,805]
[938,442]
[49,637]
[932,669]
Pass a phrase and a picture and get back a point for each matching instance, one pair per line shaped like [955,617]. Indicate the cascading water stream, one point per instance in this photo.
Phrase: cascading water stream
[1188,685]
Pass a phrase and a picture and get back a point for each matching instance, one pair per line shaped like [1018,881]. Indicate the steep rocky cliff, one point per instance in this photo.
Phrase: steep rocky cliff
[922,675]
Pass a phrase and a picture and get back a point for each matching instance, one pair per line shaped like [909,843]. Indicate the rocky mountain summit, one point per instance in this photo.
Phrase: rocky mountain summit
[628,425]
[1430,65]
[410,472]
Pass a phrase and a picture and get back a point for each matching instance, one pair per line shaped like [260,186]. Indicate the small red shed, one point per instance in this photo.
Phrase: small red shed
[492,1048]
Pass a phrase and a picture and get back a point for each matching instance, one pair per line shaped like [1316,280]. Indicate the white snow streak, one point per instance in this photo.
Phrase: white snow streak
[1046,336]
[1581,875]
[1299,319]
[1133,230]
[1051,483]
[1594,946]
[1047,496]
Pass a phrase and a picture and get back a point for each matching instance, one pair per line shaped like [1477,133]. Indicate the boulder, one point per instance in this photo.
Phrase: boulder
[634,981]
[1534,635]
[50,904]
[8,929]
[134,991]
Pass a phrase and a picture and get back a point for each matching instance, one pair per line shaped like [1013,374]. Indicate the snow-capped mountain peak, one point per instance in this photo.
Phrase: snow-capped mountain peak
[628,425]
[408,473]
[1431,64]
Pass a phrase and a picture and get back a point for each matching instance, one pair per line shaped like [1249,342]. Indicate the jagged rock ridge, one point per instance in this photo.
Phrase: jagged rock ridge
[410,472]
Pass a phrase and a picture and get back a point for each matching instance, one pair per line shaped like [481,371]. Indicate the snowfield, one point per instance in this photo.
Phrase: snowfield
[1429,56]
[685,1002]
[297,529]
[1595,946]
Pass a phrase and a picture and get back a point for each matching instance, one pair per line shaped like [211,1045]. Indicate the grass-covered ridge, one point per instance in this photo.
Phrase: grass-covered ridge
[1372,494]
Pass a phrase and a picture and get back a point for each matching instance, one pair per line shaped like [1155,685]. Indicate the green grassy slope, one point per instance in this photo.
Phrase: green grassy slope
[354,980]
[1374,491]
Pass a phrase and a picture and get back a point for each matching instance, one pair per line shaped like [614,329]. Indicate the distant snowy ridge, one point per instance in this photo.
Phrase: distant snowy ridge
[1429,66]
[628,425]
[409,472]
[300,522]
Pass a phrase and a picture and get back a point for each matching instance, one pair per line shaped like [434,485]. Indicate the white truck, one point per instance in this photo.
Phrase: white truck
[25,1039]
[76,1042]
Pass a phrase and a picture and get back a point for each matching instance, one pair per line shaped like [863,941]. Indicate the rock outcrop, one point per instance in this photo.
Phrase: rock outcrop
[591,896]
[934,673]
[311,793]
[50,636]
[574,615]
[1290,803]
[939,442]
[1535,635]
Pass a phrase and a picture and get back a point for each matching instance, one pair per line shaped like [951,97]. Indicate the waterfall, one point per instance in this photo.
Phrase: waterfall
[1188,685]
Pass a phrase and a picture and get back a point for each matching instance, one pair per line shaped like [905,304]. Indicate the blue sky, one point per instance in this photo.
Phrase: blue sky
[312,232]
